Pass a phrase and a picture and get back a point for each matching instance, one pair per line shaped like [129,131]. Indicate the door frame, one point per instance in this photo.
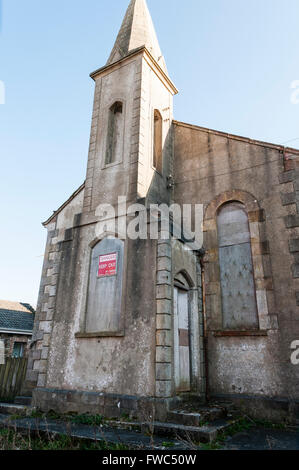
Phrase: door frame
[176,352]
[176,265]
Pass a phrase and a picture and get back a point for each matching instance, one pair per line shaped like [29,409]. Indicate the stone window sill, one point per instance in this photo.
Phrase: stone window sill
[225,333]
[100,334]
[111,165]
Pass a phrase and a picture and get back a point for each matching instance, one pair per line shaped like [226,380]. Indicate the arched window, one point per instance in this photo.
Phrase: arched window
[158,151]
[104,301]
[239,307]
[115,125]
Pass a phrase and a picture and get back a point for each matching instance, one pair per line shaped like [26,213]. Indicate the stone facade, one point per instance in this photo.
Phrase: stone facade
[132,370]
[215,169]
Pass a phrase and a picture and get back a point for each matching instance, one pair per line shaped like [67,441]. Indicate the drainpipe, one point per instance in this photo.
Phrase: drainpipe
[205,330]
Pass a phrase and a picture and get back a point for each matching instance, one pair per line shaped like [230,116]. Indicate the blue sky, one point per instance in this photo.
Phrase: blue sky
[232,60]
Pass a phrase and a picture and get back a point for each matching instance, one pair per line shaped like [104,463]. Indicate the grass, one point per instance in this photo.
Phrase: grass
[90,420]
[87,419]
[15,417]
[242,424]
[96,420]
[168,445]
[10,439]
[269,425]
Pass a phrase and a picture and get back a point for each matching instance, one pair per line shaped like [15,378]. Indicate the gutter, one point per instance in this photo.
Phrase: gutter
[16,332]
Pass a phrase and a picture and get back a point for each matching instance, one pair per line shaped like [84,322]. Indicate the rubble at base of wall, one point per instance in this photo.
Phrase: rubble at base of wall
[108,405]
[270,409]
[145,409]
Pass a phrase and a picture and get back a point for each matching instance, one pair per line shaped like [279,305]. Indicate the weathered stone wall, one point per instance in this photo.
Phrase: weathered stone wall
[58,229]
[115,364]
[65,355]
[138,85]
[146,409]
[212,168]
[105,182]
[154,96]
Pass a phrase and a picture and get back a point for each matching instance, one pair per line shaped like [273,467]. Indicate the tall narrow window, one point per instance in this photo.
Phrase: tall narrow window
[239,306]
[158,153]
[115,125]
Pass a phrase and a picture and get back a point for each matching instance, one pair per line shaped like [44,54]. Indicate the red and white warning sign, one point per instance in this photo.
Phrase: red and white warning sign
[107,265]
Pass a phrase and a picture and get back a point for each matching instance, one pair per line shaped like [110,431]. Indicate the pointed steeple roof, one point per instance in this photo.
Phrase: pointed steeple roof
[137,30]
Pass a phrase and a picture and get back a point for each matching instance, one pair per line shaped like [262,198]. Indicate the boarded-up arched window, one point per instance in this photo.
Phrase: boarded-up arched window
[239,308]
[115,126]
[104,299]
[158,151]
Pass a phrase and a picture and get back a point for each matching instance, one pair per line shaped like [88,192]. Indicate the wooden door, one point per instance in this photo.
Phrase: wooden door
[181,340]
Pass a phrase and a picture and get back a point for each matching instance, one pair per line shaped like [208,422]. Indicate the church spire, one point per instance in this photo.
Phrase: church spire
[137,30]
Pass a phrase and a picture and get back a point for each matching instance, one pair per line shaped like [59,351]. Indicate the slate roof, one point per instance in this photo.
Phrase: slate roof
[16,316]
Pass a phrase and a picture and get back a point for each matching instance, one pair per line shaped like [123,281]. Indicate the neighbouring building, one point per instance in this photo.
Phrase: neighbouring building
[164,319]
[16,326]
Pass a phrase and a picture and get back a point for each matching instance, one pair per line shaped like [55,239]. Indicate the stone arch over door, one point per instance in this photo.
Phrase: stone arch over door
[260,258]
[182,306]
[183,279]
[177,264]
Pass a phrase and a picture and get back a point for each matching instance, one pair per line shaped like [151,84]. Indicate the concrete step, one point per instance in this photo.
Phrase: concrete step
[195,418]
[193,398]
[225,405]
[207,433]
[13,409]
[21,400]
[80,432]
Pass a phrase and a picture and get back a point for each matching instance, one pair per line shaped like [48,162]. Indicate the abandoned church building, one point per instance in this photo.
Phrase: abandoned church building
[129,326]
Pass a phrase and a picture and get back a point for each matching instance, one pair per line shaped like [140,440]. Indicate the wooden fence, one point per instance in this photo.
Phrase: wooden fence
[12,376]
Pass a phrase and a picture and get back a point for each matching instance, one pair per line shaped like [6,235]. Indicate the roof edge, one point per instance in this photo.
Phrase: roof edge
[15,331]
[55,213]
[108,66]
[236,137]
[18,307]
[132,53]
